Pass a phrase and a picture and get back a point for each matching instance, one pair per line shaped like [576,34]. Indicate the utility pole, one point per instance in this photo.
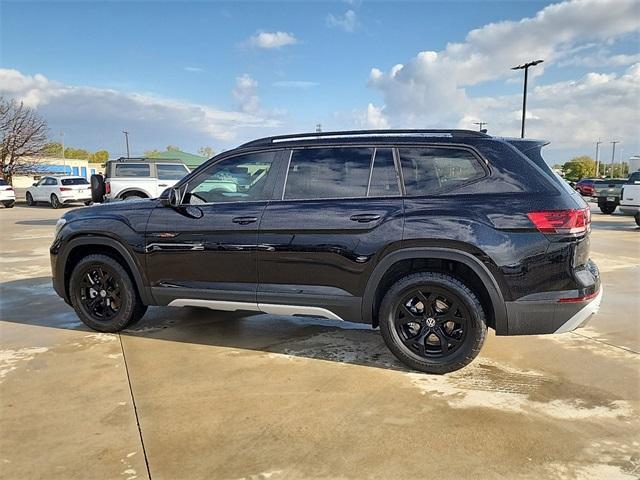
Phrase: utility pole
[597,158]
[480,124]
[613,155]
[126,139]
[318,128]
[525,67]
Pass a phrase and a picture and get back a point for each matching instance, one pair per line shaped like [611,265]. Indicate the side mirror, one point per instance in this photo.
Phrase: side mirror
[35,184]
[175,198]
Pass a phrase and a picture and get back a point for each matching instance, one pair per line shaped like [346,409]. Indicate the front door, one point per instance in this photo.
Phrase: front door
[340,209]
[206,248]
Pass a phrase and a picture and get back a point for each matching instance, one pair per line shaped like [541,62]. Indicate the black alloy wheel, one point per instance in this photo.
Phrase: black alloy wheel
[100,292]
[432,322]
[29,198]
[55,203]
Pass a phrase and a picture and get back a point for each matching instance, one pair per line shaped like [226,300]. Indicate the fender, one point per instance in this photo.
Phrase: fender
[145,292]
[124,191]
[490,283]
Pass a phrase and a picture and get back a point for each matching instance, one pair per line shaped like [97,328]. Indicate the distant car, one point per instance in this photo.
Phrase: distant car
[59,190]
[585,187]
[607,192]
[630,197]
[136,178]
[7,195]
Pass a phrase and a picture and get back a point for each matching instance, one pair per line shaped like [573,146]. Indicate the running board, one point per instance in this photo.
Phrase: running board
[270,308]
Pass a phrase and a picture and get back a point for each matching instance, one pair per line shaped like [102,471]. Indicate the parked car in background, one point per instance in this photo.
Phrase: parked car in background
[431,235]
[630,197]
[136,178]
[585,187]
[607,192]
[7,195]
[58,190]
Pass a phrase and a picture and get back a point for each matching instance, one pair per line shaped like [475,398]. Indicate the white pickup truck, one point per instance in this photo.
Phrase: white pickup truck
[630,197]
[135,178]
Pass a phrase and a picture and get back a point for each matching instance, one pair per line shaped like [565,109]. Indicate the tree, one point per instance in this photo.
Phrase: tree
[77,153]
[101,156]
[151,153]
[206,152]
[172,148]
[23,135]
[52,149]
[579,167]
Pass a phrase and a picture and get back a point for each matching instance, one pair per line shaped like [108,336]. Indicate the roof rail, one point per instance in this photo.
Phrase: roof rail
[299,137]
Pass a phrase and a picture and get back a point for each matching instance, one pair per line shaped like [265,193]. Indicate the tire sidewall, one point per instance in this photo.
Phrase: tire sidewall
[55,202]
[126,313]
[29,199]
[474,337]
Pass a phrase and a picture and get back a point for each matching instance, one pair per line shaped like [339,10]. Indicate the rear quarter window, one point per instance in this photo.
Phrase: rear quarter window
[171,172]
[132,170]
[430,170]
[74,181]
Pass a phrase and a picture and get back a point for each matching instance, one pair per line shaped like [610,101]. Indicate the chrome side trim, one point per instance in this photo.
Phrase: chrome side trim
[154,247]
[275,309]
[582,316]
[270,308]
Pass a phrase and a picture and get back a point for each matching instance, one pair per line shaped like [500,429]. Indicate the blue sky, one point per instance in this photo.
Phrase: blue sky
[219,73]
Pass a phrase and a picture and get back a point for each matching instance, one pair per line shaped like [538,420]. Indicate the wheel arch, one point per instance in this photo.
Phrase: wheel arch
[106,245]
[127,191]
[498,315]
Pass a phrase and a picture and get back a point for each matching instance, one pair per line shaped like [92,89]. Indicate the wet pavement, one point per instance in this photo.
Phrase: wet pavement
[194,394]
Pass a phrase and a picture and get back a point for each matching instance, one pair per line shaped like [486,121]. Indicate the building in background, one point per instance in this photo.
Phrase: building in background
[190,160]
[57,166]
[634,164]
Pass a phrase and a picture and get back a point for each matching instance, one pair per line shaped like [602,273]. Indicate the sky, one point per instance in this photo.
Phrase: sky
[205,73]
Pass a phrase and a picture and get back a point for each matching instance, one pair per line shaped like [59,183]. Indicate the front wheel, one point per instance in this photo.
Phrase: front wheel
[637,217]
[29,198]
[432,322]
[608,208]
[103,294]
[55,203]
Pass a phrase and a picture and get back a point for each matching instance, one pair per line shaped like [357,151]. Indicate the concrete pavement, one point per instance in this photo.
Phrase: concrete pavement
[193,394]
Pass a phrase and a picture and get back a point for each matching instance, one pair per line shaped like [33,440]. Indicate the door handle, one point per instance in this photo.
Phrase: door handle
[364,217]
[163,184]
[244,220]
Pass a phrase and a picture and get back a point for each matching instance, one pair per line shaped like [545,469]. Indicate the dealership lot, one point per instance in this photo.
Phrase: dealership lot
[188,393]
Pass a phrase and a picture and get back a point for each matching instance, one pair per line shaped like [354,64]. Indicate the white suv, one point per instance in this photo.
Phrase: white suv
[58,190]
[7,195]
[134,178]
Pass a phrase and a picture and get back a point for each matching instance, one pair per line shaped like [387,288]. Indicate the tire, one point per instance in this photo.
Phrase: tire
[440,340]
[98,188]
[88,203]
[9,204]
[29,198]
[608,208]
[95,308]
[133,196]
[637,218]
[55,203]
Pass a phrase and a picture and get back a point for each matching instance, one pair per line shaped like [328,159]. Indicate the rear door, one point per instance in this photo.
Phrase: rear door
[168,175]
[338,210]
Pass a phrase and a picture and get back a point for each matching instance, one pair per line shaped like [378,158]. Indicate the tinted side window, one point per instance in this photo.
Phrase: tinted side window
[51,181]
[430,170]
[74,181]
[171,172]
[132,170]
[328,173]
[384,181]
[240,178]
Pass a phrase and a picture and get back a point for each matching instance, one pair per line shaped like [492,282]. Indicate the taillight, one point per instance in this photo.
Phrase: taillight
[107,187]
[65,189]
[562,221]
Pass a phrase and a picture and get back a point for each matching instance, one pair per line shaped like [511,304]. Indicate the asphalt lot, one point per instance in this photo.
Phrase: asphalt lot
[189,394]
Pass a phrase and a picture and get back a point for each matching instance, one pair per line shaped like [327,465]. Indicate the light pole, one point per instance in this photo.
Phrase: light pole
[525,67]
[126,139]
[613,155]
[480,124]
[597,158]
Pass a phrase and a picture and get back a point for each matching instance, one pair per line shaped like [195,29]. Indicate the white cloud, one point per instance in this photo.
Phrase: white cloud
[347,22]
[295,84]
[94,117]
[374,117]
[271,40]
[194,69]
[431,89]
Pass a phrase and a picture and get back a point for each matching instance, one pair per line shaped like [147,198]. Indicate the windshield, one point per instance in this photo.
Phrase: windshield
[74,181]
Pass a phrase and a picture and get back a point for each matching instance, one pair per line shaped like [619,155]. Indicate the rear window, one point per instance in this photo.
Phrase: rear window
[132,170]
[341,172]
[171,172]
[533,151]
[74,181]
[428,170]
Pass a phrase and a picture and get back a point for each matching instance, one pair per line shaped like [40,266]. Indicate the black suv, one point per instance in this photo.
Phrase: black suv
[432,235]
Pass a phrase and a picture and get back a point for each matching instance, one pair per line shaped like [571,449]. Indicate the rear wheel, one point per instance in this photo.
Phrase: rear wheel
[29,198]
[133,196]
[608,208]
[103,295]
[432,322]
[55,203]
[637,217]
[88,203]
